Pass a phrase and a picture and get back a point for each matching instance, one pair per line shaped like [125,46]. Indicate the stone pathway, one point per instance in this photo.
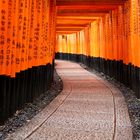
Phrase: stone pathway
[89,108]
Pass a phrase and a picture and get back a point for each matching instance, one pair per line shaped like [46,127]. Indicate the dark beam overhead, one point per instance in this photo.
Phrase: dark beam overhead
[89,2]
[75,15]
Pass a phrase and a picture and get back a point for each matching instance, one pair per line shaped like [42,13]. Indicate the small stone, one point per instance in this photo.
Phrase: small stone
[28,120]
[1,135]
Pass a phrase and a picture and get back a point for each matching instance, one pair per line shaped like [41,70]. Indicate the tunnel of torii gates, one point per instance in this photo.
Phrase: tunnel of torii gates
[102,34]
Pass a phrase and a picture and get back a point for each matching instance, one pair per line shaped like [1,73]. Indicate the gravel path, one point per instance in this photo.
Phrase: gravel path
[88,108]
[132,102]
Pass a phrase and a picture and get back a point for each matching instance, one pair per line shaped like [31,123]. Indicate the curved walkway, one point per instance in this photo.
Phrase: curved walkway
[89,108]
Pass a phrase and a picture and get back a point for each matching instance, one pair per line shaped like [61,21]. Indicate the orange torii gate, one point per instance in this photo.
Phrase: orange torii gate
[103,34]
[24,33]
[27,39]
[109,40]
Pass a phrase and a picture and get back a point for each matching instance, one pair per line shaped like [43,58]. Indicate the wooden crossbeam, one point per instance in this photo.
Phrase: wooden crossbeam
[83,14]
[76,17]
[89,2]
[71,25]
[87,7]
[84,11]
[74,21]
[80,27]
[65,32]
[69,29]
